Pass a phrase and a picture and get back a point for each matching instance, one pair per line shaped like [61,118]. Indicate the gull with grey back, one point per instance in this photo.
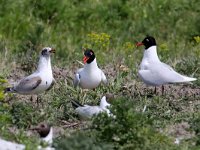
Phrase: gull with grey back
[87,111]
[38,82]
[153,72]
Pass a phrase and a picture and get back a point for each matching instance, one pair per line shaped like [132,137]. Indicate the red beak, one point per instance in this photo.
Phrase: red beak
[139,44]
[85,59]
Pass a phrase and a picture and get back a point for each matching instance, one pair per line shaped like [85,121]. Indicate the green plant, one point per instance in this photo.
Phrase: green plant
[129,129]
[80,140]
[2,87]
[24,115]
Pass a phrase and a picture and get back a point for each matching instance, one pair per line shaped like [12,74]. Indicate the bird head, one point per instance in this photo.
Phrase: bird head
[89,56]
[43,129]
[47,51]
[104,103]
[147,42]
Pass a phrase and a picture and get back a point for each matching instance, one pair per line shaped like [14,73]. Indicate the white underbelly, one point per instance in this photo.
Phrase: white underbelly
[90,84]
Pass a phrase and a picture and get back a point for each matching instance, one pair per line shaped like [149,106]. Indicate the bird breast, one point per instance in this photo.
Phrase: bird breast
[90,80]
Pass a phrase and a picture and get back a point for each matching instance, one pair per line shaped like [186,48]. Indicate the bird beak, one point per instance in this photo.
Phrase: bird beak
[139,44]
[52,50]
[85,59]
[34,128]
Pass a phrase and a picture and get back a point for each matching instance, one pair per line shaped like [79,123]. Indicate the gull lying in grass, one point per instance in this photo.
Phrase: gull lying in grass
[90,76]
[153,72]
[87,111]
[46,135]
[41,80]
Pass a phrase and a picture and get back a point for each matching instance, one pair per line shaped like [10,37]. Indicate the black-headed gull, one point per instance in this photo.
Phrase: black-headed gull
[152,71]
[41,80]
[87,111]
[46,132]
[90,76]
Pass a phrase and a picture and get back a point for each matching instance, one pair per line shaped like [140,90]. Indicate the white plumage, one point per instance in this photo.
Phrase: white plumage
[154,72]
[90,76]
[87,111]
[41,80]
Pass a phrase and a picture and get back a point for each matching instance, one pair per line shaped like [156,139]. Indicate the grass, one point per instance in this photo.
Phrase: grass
[111,28]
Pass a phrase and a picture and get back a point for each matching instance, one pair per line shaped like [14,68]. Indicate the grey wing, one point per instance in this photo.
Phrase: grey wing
[77,78]
[182,78]
[28,84]
[52,83]
[88,111]
[103,78]
[169,67]
[168,74]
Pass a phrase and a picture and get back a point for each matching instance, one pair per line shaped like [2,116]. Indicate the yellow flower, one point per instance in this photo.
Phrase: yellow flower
[197,39]
[100,40]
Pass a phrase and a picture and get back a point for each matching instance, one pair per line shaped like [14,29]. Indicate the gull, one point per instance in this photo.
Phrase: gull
[90,76]
[45,131]
[41,80]
[46,135]
[87,111]
[153,72]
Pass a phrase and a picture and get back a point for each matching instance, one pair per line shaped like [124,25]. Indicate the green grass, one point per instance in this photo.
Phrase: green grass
[111,28]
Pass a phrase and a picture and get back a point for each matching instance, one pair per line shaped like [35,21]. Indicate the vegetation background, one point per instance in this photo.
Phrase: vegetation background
[111,28]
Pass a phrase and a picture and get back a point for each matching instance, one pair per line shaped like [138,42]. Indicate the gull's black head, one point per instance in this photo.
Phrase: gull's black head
[147,42]
[47,51]
[43,129]
[88,56]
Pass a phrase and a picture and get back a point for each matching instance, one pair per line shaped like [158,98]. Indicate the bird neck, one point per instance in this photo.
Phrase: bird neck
[44,64]
[48,139]
[91,66]
[151,54]
[104,103]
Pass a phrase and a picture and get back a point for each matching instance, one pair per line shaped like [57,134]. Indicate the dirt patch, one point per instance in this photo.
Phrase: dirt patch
[180,131]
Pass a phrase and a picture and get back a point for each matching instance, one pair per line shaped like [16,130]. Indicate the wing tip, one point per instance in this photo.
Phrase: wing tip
[8,89]
[188,79]
[76,104]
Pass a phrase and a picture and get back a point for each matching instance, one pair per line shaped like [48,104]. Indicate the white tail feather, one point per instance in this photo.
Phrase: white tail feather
[188,79]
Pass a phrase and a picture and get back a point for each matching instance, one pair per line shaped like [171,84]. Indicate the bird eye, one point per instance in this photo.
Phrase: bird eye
[44,51]
[42,125]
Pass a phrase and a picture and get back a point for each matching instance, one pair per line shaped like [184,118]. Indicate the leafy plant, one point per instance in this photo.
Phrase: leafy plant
[129,129]
[24,115]
[2,87]
[80,140]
